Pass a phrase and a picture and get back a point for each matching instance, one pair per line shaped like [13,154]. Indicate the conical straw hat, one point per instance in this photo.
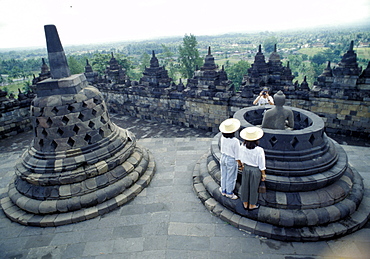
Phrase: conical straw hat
[229,125]
[251,133]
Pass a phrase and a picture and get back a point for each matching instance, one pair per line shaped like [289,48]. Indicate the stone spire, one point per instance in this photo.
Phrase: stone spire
[274,57]
[327,72]
[366,72]
[91,76]
[155,76]
[259,66]
[88,68]
[304,86]
[209,61]
[45,73]
[154,61]
[45,68]
[113,63]
[180,86]
[363,82]
[116,74]
[348,66]
[57,59]
[209,80]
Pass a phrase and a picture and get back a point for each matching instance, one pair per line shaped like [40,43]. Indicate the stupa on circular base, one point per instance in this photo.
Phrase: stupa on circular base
[79,165]
[312,192]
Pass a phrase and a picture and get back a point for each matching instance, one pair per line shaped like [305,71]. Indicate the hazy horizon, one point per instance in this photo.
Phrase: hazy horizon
[82,22]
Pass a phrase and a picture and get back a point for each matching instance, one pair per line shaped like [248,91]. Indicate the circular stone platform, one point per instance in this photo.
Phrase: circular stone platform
[312,192]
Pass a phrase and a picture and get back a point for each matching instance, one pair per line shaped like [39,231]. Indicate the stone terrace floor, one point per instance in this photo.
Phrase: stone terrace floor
[166,220]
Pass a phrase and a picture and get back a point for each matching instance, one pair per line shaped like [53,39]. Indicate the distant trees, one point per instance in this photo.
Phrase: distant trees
[189,57]
[100,61]
[269,44]
[167,59]
[301,67]
[75,66]
[144,61]
[325,56]
[236,72]
[27,87]
[19,68]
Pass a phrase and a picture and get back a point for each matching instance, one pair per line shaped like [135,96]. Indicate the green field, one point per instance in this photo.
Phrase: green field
[13,88]
[363,53]
[311,51]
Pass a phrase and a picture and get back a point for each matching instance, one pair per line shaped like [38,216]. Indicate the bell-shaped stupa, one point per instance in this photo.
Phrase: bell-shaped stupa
[79,165]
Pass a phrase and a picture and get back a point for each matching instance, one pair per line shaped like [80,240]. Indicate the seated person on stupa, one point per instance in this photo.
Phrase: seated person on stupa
[278,117]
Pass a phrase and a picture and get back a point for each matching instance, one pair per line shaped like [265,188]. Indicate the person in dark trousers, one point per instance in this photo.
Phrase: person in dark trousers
[252,158]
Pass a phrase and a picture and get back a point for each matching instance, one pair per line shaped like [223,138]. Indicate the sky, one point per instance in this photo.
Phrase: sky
[100,21]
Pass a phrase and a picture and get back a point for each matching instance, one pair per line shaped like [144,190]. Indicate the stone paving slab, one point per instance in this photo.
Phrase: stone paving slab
[166,220]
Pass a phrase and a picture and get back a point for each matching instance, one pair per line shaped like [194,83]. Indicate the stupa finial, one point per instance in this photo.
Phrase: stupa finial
[351,46]
[57,59]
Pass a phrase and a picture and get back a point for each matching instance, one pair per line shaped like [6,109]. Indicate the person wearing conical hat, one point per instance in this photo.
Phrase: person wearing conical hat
[253,162]
[229,146]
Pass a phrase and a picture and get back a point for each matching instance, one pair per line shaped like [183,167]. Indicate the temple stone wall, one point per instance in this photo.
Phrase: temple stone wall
[340,116]
[14,120]
[204,113]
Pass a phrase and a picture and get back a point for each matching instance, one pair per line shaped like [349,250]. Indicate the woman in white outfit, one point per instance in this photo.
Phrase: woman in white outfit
[229,146]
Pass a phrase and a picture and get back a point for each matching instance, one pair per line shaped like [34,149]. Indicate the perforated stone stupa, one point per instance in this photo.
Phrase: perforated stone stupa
[79,165]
